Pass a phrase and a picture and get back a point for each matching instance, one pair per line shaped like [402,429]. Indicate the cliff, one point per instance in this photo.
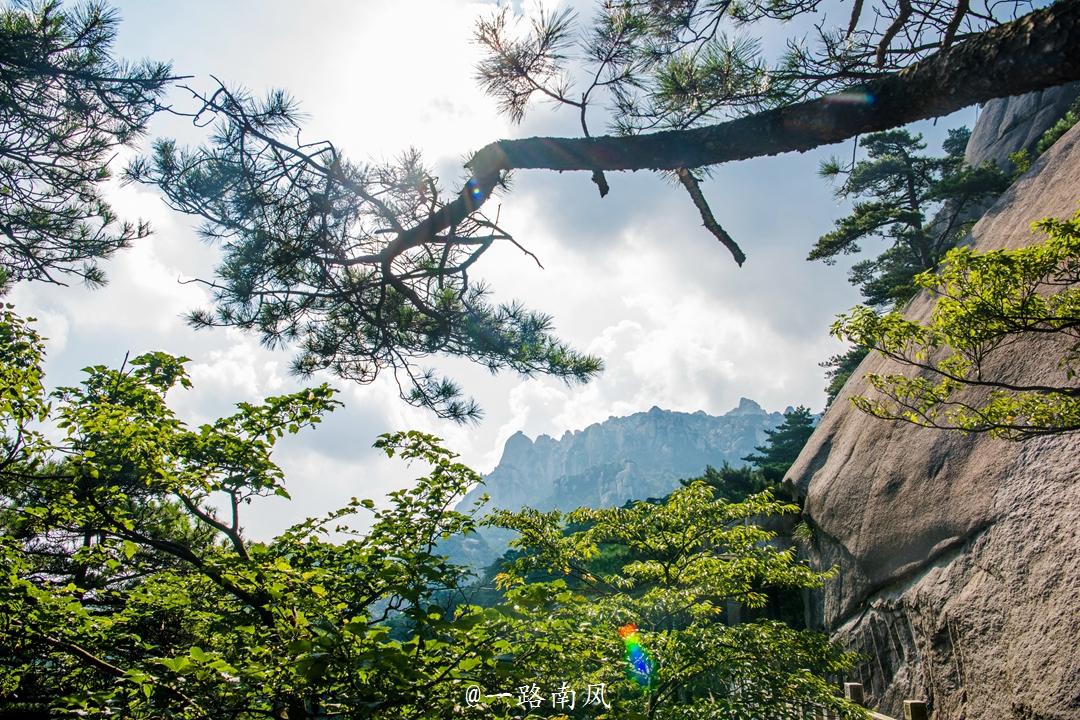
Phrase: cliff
[1010,124]
[959,555]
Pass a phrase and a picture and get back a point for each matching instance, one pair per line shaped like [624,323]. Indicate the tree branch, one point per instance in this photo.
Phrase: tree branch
[231,532]
[110,669]
[1036,51]
[694,188]
[902,16]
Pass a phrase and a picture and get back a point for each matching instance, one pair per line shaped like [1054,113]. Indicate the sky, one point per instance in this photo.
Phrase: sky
[632,277]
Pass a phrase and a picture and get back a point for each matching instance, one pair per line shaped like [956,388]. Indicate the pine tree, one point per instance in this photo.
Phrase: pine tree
[783,444]
[734,484]
[919,205]
[66,106]
[839,368]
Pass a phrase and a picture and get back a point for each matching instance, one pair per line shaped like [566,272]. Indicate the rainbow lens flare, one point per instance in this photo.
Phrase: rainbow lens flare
[641,667]
[476,193]
[850,98]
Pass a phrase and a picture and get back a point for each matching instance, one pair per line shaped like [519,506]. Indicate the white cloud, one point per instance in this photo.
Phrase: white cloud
[53,326]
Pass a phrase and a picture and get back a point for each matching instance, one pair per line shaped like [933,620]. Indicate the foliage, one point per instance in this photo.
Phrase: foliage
[783,444]
[902,193]
[339,257]
[921,205]
[1021,160]
[128,586]
[736,484]
[986,305]
[664,65]
[23,404]
[680,561]
[66,106]
[733,484]
[839,368]
[1059,128]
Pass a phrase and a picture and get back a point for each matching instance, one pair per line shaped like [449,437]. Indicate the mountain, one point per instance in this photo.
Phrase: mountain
[623,458]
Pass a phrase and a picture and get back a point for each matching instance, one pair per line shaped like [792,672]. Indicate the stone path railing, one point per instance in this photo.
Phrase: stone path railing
[913,709]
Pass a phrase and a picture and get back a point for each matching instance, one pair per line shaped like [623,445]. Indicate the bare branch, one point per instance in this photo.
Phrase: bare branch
[694,189]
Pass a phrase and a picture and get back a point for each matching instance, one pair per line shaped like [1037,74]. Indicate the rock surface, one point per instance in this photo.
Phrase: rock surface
[959,556]
[623,458]
[1006,125]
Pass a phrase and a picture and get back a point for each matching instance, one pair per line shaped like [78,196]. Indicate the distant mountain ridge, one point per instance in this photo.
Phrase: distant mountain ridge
[623,458]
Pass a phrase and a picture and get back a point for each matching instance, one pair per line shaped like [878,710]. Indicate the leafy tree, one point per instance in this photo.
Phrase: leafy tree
[680,560]
[66,106]
[921,206]
[985,304]
[736,484]
[783,444]
[1022,159]
[732,484]
[1059,128]
[22,403]
[128,586]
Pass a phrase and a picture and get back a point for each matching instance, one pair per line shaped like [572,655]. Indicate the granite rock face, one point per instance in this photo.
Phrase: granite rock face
[1009,124]
[959,556]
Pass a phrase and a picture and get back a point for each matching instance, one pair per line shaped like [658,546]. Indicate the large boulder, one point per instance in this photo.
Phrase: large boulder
[959,555]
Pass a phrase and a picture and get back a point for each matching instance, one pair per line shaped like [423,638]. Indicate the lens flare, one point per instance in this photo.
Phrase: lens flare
[476,193]
[640,666]
[850,98]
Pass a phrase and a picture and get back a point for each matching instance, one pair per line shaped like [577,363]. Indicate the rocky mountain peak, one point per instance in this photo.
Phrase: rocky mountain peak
[517,445]
[747,407]
[607,463]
